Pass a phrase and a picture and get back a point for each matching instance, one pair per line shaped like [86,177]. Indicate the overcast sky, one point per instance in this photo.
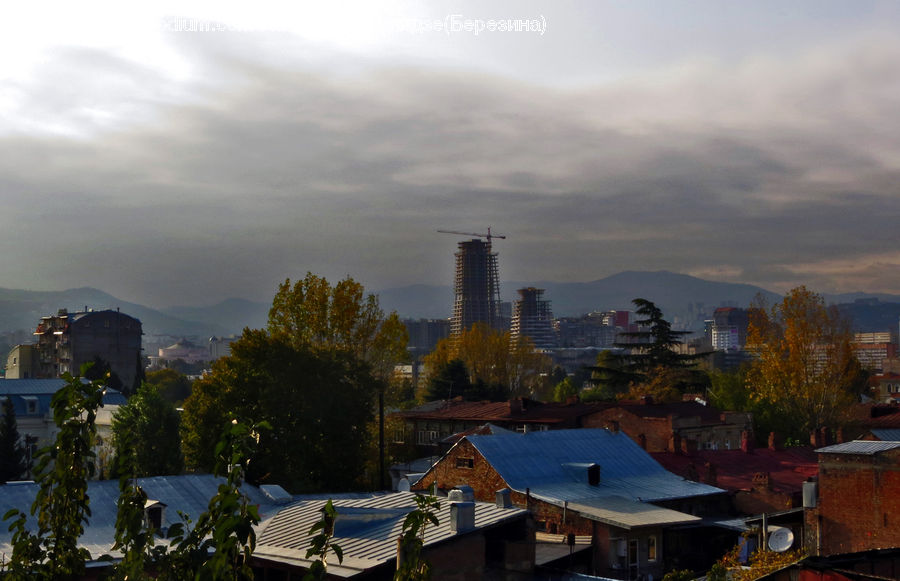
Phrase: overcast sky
[183,153]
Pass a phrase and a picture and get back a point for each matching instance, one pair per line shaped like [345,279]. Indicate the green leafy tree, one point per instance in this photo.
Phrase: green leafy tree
[317,402]
[173,386]
[321,545]
[410,564]
[449,380]
[13,465]
[148,425]
[564,390]
[61,504]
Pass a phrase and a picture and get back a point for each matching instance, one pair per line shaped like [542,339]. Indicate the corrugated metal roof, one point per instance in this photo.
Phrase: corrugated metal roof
[189,494]
[627,513]
[887,434]
[554,463]
[865,447]
[368,534]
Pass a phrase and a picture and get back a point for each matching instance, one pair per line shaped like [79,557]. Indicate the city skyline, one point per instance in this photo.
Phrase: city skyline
[184,153]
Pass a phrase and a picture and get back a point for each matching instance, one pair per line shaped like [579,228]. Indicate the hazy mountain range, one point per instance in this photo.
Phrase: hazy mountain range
[682,298]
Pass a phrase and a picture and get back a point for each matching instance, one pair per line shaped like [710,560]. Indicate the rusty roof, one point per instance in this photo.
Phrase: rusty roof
[503,411]
[735,469]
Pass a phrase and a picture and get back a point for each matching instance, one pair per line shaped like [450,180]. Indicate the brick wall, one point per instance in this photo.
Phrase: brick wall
[656,431]
[859,502]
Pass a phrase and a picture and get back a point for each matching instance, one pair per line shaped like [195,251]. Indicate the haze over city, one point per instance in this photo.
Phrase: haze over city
[183,153]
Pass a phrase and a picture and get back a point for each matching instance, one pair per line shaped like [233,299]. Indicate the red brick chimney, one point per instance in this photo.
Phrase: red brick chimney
[746,442]
[710,477]
[774,441]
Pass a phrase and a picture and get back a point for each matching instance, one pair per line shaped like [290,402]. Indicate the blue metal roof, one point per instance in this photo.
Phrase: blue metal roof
[189,494]
[43,390]
[553,466]
[887,434]
[864,447]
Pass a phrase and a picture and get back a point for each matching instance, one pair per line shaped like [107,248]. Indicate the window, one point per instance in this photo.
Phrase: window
[465,462]
[651,548]
[399,436]
[432,436]
[31,405]
[420,437]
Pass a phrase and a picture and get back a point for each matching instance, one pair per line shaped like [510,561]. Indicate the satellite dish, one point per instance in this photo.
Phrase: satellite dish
[780,539]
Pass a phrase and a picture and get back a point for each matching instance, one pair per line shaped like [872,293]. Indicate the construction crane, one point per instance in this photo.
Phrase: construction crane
[488,235]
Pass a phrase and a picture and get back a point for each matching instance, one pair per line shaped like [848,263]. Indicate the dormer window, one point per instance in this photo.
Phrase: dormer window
[154,514]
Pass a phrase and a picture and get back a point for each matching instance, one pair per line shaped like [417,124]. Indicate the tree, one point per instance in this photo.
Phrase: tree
[493,360]
[651,349]
[804,365]
[322,532]
[12,454]
[148,425]
[563,390]
[61,504]
[318,403]
[410,564]
[173,386]
[313,314]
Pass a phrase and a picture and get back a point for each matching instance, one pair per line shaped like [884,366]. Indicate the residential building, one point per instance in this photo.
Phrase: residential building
[729,329]
[472,540]
[220,346]
[759,480]
[533,318]
[855,503]
[167,498]
[428,424]
[424,334]
[66,341]
[590,482]
[872,349]
[661,427]
[34,416]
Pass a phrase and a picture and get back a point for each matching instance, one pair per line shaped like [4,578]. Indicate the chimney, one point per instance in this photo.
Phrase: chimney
[503,499]
[840,436]
[815,439]
[710,477]
[774,441]
[825,436]
[746,442]
[594,474]
[762,481]
[675,443]
[462,516]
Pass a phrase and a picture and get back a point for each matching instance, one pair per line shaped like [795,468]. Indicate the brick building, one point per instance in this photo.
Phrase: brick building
[759,480]
[428,424]
[671,426]
[858,503]
[585,482]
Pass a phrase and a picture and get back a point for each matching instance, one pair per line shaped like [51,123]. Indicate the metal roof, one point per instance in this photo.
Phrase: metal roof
[189,494]
[887,434]
[865,447]
[553,464]
[366,529]
[627,513]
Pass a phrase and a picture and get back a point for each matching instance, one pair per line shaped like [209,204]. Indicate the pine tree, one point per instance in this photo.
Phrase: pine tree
[12,453]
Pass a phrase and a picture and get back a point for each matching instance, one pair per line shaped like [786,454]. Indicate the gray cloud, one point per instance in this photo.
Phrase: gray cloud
[767,172]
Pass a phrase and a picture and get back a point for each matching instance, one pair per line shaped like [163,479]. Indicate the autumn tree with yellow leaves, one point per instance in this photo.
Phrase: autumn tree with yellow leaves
[493,359]
[804,371]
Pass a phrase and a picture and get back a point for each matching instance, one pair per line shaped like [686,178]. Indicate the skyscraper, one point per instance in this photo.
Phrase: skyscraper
[477,287]
[533,318]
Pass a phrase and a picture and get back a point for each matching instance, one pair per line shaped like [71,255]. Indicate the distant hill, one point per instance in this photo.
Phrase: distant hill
[23,309]
[680,296]
[685,300]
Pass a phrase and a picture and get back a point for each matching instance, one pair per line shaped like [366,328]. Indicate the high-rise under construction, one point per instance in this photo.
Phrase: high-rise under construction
[477,286]
[533,318]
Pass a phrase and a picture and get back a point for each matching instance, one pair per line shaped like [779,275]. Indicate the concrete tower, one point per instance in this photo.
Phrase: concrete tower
[532,318]
[477,287]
